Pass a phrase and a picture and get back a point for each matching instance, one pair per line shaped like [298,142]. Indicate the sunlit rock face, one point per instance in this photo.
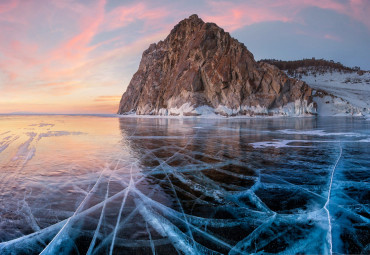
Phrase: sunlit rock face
[199,68]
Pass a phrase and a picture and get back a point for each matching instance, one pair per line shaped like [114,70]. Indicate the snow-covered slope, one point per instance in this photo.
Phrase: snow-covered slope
[340,93]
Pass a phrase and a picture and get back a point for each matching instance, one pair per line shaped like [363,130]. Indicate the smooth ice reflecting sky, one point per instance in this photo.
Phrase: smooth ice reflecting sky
[159,185]
[76,56]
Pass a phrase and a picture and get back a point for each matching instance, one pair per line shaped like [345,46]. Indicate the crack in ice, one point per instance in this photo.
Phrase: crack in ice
[329,235]
[50,246]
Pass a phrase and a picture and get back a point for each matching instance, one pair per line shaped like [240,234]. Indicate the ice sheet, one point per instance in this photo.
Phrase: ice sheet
[190,186]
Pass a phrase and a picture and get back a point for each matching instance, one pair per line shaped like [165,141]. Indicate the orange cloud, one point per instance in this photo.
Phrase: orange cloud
[114,99]
[72,108]
[61,88]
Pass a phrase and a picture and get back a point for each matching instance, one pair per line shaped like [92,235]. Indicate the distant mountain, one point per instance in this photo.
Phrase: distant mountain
[200,69]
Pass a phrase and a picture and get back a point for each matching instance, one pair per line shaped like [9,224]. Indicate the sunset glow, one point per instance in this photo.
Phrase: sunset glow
[79,56]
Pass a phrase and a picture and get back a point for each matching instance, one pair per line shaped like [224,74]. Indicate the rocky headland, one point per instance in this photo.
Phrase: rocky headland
[200,69]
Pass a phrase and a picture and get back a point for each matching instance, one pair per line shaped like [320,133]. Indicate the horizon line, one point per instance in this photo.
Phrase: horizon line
[35,113]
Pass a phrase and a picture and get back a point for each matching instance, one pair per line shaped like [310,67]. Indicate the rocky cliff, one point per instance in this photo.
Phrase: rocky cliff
[199,68]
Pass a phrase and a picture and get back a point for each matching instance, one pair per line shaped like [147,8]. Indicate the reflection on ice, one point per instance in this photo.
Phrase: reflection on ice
[189,186]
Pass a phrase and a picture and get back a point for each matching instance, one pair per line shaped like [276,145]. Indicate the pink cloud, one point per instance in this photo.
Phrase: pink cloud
[360,10]
[77,47]
[24,52]
[323,4]
[332,37]
[124,15]
[356,9]
[232,16]
[8,6]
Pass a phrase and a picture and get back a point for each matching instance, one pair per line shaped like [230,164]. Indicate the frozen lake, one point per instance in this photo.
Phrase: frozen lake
[101,185]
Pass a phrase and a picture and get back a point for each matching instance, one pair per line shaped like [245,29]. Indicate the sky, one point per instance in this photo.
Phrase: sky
[78,56]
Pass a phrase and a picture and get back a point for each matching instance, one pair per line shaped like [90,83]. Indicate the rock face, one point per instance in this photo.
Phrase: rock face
[199,68]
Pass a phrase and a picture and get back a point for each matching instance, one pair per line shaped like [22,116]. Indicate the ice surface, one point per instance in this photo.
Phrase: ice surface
[93,185]
[317,133]
[279,143]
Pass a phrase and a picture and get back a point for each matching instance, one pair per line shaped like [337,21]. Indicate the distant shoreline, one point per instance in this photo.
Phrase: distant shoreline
[173,117]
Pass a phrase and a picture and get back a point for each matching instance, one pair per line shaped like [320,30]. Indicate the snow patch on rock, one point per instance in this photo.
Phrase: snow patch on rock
[297,108]
[340,93]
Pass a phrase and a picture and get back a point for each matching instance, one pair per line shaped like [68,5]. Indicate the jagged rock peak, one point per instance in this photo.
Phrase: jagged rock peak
[193,20]
[200,68]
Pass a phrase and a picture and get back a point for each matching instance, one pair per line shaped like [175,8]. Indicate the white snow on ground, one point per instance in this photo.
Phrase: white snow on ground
[351,91]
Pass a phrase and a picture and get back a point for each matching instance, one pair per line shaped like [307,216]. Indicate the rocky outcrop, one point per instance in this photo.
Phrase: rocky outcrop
[200,68]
